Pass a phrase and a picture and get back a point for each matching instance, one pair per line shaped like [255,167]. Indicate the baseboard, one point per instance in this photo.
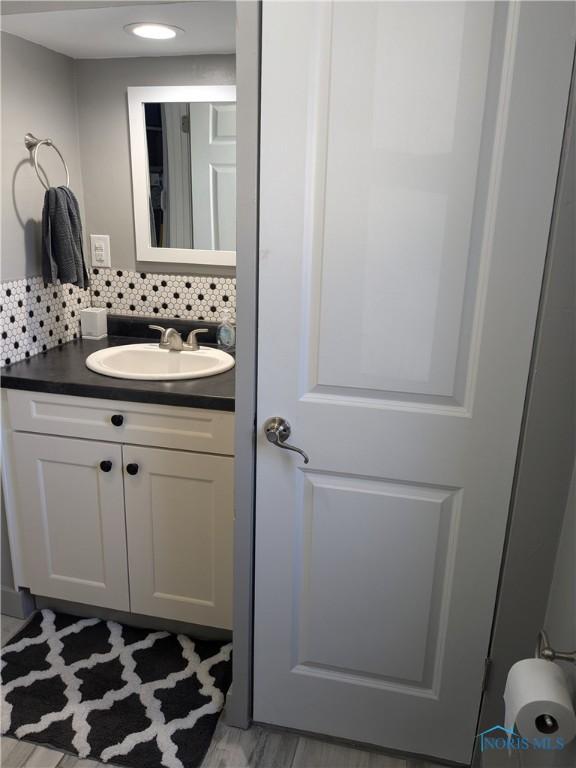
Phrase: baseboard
[233,715]
[17,603]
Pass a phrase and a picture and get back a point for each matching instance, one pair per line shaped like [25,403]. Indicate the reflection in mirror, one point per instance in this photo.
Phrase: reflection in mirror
[183,153]
[191,150]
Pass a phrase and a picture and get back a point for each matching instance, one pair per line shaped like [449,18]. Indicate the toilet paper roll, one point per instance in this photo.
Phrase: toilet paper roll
[539,702]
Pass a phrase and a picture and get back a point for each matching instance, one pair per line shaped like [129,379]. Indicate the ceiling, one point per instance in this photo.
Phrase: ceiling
[94,30]
[8,7]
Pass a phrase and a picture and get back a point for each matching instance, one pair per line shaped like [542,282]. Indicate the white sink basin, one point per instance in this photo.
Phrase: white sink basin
[149,362]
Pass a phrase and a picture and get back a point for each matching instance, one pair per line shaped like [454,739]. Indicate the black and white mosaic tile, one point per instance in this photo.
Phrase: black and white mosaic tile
[35,317]
[124,292]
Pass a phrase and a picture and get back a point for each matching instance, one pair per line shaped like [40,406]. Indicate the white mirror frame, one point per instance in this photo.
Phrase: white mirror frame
[137,97]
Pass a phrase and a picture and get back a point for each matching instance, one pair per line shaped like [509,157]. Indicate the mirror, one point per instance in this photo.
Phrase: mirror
[183,154]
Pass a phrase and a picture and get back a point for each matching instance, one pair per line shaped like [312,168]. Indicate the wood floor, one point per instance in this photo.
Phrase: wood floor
[231,748]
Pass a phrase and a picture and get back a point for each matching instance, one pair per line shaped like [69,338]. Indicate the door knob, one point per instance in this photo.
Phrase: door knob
[277,431]
[117,420]
[132,469]
[106,466]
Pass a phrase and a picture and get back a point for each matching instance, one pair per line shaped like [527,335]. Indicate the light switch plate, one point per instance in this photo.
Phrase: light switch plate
[100,250]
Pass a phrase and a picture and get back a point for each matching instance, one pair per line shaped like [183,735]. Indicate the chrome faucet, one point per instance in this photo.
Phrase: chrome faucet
[171,339]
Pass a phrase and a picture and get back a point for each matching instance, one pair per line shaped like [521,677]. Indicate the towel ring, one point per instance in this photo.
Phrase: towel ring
[33,145]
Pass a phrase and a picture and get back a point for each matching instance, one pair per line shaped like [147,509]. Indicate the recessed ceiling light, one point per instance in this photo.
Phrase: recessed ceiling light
[152,30]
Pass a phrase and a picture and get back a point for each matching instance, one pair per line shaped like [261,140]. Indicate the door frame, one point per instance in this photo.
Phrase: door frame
[544,462]
[248,48]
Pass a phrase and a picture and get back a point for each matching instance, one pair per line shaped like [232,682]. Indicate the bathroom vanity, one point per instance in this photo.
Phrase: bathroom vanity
[122,491]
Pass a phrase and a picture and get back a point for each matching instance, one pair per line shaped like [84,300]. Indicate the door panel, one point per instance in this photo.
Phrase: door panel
[179,518]
[213,148]
[73,515]
[404,118]
[406,197]
[360,539]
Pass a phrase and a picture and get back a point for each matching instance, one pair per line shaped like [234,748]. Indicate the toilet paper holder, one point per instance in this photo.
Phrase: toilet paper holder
[545,651]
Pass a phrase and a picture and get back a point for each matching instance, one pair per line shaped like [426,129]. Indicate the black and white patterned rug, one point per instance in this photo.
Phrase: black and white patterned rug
[113,693]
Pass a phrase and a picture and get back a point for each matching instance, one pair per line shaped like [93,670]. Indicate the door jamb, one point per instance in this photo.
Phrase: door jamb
[539,481]
[248,47]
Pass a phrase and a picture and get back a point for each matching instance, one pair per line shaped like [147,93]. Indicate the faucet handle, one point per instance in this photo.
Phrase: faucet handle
[163,331]
[192,341]
[170,338]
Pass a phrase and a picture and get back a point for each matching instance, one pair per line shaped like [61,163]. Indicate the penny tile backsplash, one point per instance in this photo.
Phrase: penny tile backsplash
[147,293]
[35,317]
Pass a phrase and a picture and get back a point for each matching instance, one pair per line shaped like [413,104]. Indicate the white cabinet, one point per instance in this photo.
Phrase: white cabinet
[162,426]
[124,525]
[179,521]
[72,519]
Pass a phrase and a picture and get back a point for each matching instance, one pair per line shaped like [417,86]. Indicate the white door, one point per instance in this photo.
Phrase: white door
[71,503]
[408,161]
[179,520]
[213,157]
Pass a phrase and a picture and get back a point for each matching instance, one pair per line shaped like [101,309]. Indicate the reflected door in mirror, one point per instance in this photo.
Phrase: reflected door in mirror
[191,152]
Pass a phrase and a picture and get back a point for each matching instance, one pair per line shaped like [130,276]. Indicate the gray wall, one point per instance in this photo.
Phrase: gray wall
[38,96]
[561,626]
[104,140]
[561,614]
[546,456]
[82,106]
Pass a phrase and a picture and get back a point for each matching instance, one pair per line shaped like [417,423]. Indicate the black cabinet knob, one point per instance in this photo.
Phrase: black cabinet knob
[105,466]
[117,420]
[132,469]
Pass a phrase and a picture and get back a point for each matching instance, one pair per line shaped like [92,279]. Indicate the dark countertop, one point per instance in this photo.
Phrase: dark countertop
[62,370]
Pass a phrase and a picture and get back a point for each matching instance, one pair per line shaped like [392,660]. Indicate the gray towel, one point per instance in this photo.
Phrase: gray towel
[62,252]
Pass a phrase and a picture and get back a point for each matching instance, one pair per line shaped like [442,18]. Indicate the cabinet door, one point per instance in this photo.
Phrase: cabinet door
[179,519]
[72,515]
